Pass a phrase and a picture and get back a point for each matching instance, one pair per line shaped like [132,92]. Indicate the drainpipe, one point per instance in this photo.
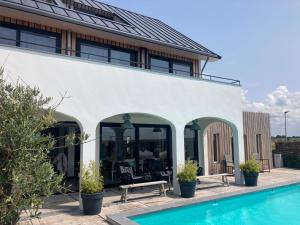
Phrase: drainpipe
[204,65]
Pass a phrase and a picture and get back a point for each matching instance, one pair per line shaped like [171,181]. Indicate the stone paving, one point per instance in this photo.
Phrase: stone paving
[64,209]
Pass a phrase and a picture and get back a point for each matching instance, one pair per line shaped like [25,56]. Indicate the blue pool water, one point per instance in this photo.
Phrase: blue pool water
[280,206]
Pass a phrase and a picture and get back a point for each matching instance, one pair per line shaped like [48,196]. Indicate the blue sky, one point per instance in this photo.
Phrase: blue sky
[259,42]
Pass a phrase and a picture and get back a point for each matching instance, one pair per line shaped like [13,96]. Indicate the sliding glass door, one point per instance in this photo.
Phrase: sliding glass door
[132,148]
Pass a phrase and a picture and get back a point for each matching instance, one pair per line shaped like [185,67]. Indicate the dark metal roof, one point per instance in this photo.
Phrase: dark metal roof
[128,23]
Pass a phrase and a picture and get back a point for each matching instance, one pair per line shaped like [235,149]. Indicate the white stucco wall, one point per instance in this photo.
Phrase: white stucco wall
[97,91]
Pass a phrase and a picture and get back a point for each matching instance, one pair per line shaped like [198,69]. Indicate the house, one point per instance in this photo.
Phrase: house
[133,83]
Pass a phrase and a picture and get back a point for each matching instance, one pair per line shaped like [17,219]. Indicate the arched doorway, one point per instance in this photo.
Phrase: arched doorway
[145,142]
[213,139]
[66,157]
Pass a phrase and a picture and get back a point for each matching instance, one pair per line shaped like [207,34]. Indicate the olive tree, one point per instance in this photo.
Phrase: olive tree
[26,173]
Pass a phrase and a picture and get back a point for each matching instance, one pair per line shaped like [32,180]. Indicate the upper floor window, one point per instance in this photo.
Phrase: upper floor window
[166,65]
[93,52]
[38,41]
[160,65]
[29,38]
[182,68]
[8,36]
[105,53]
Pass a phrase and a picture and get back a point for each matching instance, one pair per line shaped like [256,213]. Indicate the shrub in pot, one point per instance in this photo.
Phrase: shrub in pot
[91,189]
[187,178]
[250,170]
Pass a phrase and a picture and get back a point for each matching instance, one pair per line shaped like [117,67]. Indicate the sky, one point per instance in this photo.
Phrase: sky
[259,42]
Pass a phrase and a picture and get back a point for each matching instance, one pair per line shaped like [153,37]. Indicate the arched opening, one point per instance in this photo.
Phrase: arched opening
[66,157]
[138,141]
[210,142]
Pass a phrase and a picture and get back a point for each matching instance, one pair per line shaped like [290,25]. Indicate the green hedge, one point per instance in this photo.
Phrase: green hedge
[291,161]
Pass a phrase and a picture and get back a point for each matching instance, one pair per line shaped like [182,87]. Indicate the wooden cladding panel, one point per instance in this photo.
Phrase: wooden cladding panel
[254,123]
[225,134]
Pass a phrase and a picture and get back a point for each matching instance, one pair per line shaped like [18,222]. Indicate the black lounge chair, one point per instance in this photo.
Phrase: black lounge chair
[127,176]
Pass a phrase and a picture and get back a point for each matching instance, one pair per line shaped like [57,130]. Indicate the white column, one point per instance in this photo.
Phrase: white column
[177,154]
[88,150]
[203,151]
[239,153]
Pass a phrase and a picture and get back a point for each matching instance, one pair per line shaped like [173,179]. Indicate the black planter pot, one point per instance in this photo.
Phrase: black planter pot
[250,179]
[187,189]
[92,203]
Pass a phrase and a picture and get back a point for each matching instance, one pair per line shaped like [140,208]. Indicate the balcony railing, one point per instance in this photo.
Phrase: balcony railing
[116,61]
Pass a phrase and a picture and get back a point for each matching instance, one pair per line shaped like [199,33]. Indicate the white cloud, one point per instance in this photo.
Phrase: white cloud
[276,103]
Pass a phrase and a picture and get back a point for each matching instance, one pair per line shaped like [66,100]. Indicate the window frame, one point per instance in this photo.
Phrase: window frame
[20,28]
[196,143]
[216,147]
[171,63]
[137,136]
[133,53]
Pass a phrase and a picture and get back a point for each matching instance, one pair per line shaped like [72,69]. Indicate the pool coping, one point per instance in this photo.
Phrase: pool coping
[123,217]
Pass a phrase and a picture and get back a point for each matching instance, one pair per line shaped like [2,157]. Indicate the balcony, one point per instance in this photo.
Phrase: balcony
[33,46]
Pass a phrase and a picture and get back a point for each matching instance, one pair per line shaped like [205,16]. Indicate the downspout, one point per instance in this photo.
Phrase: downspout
[204,66]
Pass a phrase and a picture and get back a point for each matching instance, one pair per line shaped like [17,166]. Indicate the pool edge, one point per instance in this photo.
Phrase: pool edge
[123,218]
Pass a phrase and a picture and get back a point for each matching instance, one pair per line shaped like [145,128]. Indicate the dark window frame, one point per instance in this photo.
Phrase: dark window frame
[259,144]
[20,28]
[171,62]
[196,143]
[133,53]
[216,147]
[136,127]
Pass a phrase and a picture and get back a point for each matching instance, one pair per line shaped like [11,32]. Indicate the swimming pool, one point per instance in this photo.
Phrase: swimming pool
[279,206]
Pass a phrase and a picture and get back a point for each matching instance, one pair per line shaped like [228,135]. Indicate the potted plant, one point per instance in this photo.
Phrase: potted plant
[187,178]
[250,170]
[91,189]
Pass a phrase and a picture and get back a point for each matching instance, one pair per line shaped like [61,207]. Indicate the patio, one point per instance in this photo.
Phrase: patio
[63,209]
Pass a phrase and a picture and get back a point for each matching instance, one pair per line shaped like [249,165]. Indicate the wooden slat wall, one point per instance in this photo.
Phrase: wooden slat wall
[254,123]
[224,132]
[257,123]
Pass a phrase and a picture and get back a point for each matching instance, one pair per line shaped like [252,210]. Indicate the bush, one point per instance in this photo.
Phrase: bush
[92,181]
[250,166]
[188,173]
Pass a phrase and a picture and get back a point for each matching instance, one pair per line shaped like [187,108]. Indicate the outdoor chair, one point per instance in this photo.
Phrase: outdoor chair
[155,169]
[229,164]
[262,162]
[127,176]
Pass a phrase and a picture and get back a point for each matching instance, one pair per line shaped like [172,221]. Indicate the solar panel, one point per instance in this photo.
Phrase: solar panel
[86,18]
[98,21]
[59,11]
[30,3]
[109,24]
[44,7]
[73,14]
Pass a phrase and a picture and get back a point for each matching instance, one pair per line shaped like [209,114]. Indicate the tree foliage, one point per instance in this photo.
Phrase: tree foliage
[26,174]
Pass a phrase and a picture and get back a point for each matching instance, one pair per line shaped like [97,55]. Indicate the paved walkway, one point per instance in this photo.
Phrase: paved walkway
[64,210]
